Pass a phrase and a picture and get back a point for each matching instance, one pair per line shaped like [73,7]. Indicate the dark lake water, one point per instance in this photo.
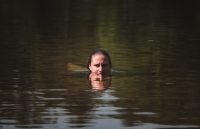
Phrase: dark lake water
[156,45]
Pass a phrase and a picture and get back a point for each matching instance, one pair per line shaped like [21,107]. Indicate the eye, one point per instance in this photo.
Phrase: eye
[97,65]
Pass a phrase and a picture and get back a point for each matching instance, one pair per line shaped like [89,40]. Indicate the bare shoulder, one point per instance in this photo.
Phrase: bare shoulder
[76,67]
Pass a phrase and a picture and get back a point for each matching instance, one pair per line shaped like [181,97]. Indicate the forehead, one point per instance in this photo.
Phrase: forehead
[99,57]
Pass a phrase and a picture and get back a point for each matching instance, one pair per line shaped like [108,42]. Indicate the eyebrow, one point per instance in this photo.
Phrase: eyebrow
[104,64]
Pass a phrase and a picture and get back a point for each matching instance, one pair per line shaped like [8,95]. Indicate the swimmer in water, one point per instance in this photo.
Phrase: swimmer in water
[99,66]
[99,62]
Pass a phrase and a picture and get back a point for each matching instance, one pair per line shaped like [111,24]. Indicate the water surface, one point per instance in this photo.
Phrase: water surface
[156,43]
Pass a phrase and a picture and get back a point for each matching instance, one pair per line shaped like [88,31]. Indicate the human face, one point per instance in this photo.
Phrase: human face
[99,64]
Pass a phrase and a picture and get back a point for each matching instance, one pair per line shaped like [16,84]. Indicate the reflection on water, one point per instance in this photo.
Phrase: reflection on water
[156,44]
[99,82]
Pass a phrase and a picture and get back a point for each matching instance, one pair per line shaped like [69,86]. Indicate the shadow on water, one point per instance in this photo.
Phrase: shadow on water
[154,47]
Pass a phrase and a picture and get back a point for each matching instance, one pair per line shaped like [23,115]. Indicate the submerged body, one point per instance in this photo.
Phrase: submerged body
[99,62]
[76,68]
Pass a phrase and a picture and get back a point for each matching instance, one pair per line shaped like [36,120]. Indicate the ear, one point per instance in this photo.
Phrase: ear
[89,66]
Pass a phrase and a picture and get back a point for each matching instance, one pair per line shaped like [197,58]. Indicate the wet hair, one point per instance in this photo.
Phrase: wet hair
[99,51]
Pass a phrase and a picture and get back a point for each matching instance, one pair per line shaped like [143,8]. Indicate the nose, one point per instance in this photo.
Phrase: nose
[100,68]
